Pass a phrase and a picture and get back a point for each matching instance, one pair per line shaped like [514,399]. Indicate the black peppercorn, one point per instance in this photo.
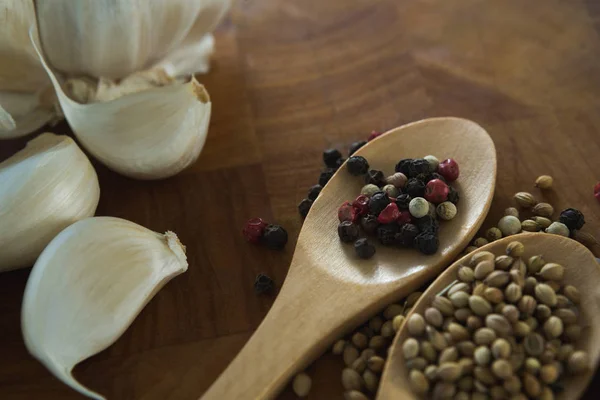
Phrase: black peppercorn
[572,218]
[424,177]
[415,188]
[418,166]
[387,233]
[378,202]
[357,165]
[453,196]
[403,200]
[331,157]
[402,166]
[427,243]
[435,175]
[369,224]
[406,236]
[275,237]
[304,207]
[355,146]
[339,162]
[314,192]
[428,224]
[375,177]
[348,231]
[263,284]
[364,249]
[326,176]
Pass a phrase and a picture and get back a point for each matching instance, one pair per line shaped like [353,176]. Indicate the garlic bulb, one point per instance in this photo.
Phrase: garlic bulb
[131,111]
[115,38]
[44,188]
[87,287]
[27,101]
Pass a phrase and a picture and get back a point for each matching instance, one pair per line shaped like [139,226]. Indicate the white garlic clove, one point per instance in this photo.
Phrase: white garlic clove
[115,38]
[44,188]
[23,113]
[87,287]
[24,101]
[193,54]
[151,134]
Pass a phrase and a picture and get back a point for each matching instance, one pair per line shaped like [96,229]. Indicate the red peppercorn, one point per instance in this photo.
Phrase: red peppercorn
[449,170]
[374,134]
[254,229]
[361,203]
[404,218]
[436,191]
[389,214]
[347,212]
[597,191]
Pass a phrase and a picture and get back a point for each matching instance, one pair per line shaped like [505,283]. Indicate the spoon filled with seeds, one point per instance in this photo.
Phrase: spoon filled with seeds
[518,319]
[329,289]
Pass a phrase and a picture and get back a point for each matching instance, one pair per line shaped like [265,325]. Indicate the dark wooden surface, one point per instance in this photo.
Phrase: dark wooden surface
[290,79]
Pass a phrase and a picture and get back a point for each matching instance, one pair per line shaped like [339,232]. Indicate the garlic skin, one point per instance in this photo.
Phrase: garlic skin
[115,38]
[44,188]
[148,134]
[27,101]
[87,287]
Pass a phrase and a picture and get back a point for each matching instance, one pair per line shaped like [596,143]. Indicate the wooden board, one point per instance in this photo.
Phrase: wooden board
[290,79]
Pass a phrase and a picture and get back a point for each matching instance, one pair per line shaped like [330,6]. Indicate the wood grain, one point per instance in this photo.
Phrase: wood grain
[290,79]
[581,270]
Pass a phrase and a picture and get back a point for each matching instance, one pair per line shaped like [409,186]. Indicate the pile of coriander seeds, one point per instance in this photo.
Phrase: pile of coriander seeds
[506,328]
[364,352]
[402,209]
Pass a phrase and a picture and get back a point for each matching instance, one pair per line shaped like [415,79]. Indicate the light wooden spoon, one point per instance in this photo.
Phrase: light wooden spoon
[329,289]
[581,270]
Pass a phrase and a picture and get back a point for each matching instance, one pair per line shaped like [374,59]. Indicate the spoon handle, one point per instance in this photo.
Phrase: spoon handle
[307,315]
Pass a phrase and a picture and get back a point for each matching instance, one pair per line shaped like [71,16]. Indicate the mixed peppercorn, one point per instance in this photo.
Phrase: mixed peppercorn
[258,231]
[402,209]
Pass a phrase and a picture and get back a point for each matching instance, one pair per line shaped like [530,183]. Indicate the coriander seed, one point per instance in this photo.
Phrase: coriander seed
[543,222]
[416,325]
[392,311]
[350,355]
[338,347]
[371,380]
[553,327]
[544,182]
[543,210]
[448,371]
[535,264]
[578,362]
[480,241]
[503,262]
[545,294]
[512,212]
[360,340]
[397,322]
[530,225]
[524,199]
[359,365]
[302,384]
[351,380]
[572,293]
[493,234]
[376,364]
[419,382]
[355,395]
[552,271]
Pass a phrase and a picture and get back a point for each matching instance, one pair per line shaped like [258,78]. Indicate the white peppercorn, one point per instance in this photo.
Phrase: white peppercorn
[509,225]
[369,189]
[433,162]
[418,207]
[302,384]
[446,210]
[558,228]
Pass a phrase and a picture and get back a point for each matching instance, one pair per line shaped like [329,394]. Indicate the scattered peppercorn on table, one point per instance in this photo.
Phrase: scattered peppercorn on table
[288,82]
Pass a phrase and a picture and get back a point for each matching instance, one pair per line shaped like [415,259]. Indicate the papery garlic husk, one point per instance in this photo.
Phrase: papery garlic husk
[150,134]
[87,287]
[27,101]
[44,188]
[115,38]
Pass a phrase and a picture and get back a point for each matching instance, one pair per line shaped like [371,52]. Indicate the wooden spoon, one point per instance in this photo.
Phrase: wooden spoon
[581,270]
[329,289]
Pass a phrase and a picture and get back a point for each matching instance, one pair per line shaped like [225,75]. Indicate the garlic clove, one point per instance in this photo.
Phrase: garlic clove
[23,113]
[24,107]
[115,38]
[87,287]
[150,134]
[44,188]
[188,59]
[20,68]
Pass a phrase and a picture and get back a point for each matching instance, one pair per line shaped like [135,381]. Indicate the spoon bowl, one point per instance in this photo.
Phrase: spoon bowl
[581,270]
[329,289]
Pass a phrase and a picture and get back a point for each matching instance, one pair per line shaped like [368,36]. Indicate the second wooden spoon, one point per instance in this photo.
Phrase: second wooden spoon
[329,289]
[581,270]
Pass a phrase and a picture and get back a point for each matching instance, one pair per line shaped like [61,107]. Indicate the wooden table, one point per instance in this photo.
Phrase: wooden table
[291,78]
